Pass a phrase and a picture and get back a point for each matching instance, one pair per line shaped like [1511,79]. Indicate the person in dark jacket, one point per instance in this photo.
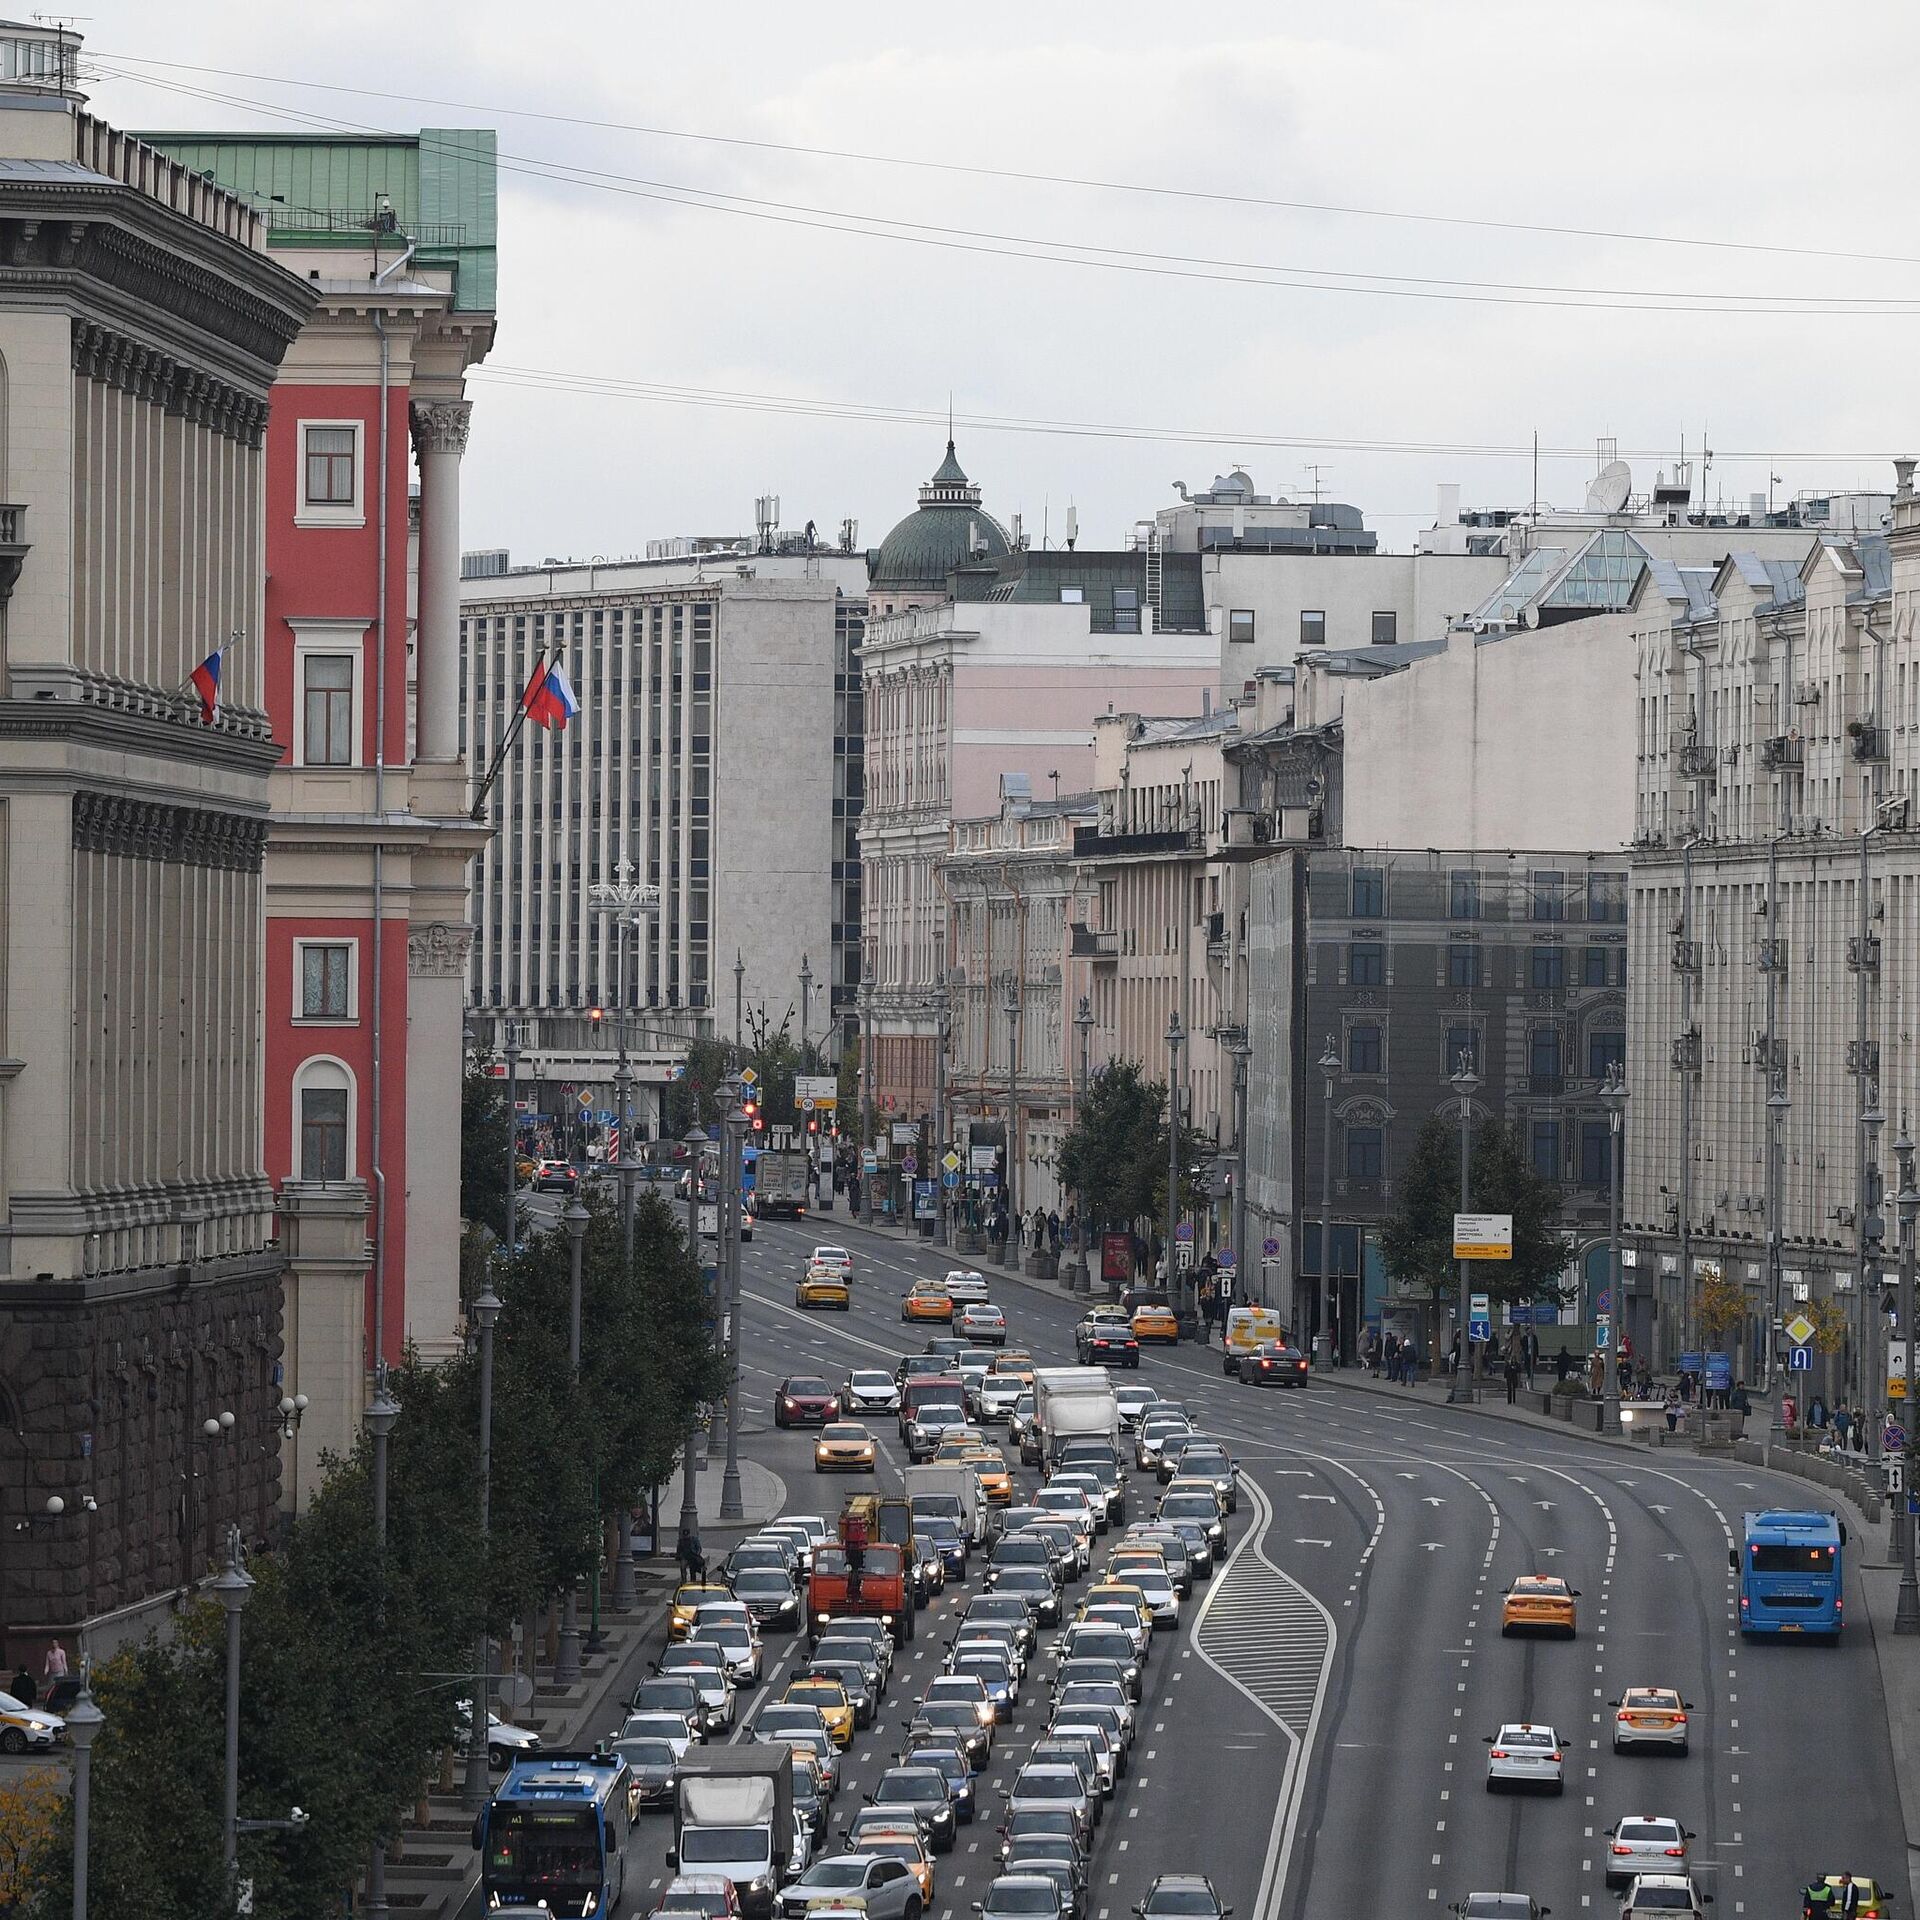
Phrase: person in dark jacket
[23,1689]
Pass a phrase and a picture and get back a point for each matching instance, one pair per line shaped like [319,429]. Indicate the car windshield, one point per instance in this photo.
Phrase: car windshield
[1022,1899]
[1521,1737]
[1646,1898]
[1650,1697]
[808,1386]
[835,1873]
[1182,1900]
[1188,1506]
[843,1430]
[936,1412]
[716,1846]
[1049,1783]
[915,1785]
[645,1753]
[875,1382]
[763,1582]
[1662,1830]
[938,1526]
[1496,1906]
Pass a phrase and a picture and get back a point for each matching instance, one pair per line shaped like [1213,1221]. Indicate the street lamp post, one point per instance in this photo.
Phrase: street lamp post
[739,1002]
[232,1587]
[84,1721]
[863,1188]
[1012,1010]
[486,1314]
[1176,1038]
[512,1053]
[1236,1044]
[1906,1615]
[733,1125]
[1465,1083]
[1777,1105]
[1329,1064]
[1613,1096]
[806,994]
[937,1146]
[566,1669]
[1873,1321]
[381,1417]
[1083,1020]
[696,1143]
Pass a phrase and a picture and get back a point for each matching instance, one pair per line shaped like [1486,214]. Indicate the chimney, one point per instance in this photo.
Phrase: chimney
[1446,511]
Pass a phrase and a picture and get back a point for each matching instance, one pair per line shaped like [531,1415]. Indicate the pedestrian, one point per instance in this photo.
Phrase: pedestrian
[1070,1227]
[1740,1403]
[1053,1231]
[1513,1371]
[23,1688]
[1816,1900]
[1842,1425]
[1530,1354]
[1453,1358]
[693,1559]
[56,1665]
[1846,1899]
[1673,1409]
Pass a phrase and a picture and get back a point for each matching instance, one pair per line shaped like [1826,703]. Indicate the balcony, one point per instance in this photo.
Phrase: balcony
[1696,761]
[1216,926]
[1091,943]
[1783,750]
[1865,741]
[1089,843]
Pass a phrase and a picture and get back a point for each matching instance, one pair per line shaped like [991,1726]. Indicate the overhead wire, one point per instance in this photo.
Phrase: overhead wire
[1035,177]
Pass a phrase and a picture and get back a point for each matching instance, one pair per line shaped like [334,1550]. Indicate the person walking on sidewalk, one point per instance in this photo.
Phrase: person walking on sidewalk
[693,1560]
[1530,1354]
[1512,1375]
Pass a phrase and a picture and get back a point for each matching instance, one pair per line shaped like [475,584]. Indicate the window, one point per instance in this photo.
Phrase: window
[324,983]
[1463,966]
[1368,893]
[1461,1041]
[1547,969]
[326,696]
[1240,625]
[1546,1149]
[1386,629]
[1126,610]
[1367,964]
[1069,597]
[1363,1153]
[1607,898]
[1363,1048]
[1313,627]
[1594,967]
[1605,1051]
[1549,896]
[330,466]
[1463,895]
[323,1114]
[1543,1053]
[1596,1154]
[331,494]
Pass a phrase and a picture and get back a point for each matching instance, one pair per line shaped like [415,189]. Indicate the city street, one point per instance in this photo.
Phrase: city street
[1315,1737]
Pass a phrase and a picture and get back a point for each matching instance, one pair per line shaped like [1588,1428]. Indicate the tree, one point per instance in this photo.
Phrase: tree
[484,1128]
[1115,1157]
[1719,1305]
[1417,1240]
[30,1807]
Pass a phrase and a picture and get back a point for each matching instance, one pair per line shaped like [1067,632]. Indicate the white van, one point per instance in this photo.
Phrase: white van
[1248,1328]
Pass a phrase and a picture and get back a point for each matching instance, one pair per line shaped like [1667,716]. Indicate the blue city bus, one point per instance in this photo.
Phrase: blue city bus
[555,1835]
[1791,1572]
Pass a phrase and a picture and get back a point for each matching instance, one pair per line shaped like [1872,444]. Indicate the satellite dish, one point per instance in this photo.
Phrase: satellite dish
[1611,488]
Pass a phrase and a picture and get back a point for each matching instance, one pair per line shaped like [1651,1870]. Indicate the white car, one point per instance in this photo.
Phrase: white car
[994,1397]
[836,1259]
[966,1283]
[1525,1754]
[1663,1896]
[1133,1402]
[869,1390]
[506,1743]
[981,1320]
[1645,1843]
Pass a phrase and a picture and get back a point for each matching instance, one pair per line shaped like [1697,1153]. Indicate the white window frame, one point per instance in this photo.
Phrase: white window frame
[329,636]
[331,513]
[305,1075]
[300,945]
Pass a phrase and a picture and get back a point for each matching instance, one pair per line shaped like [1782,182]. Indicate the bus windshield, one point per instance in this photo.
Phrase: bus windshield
[544,1852]
[1777,1559]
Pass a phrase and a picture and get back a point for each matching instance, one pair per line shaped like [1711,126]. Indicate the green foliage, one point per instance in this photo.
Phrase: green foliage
[483,1146]
[346,1650]
[1417,1239]
[1115,1157]
[771,1051]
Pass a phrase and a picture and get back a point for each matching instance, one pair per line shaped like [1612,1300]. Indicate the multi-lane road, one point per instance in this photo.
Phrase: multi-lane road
[1316,1735]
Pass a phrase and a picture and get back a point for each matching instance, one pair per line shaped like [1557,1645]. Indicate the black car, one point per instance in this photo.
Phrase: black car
[769,1595]
[1274,1364]
[925,1790]
[556,1176]
[1102,1340]
[1182,1896]
[653,1773]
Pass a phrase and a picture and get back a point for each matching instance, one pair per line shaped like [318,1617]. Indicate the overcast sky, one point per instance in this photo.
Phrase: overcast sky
[1752,122]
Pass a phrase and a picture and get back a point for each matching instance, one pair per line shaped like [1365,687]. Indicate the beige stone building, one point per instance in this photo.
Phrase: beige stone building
[141,323]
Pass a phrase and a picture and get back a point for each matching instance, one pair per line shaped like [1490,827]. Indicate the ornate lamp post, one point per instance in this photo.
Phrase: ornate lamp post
[1176,1039]
[486,1315]
[1011,1007]
[1329,1064]
[1613,1096]
[696,1143]
[566,1669]
[381,1417]
[1906,1615]
[733,1127]
[1465,1083]
[232,1587]
[84,1721]
[626,901]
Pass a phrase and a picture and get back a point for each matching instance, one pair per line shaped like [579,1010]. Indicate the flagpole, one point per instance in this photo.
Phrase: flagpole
[507,739]
[186,687]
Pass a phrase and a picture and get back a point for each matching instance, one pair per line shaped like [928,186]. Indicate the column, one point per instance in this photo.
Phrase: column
[439,440]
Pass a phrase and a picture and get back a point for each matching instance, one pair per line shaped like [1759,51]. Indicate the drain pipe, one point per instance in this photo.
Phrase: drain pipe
[375,1088]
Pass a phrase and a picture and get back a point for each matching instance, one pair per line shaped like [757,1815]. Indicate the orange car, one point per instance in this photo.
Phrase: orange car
[927,1300]
[1538,1603]
[1156,1323]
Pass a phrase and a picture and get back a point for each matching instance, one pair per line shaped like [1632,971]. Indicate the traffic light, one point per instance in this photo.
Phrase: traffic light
[813,1126]
[596,1014]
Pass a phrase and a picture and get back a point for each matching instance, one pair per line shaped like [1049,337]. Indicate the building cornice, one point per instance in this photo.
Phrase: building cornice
[158,735]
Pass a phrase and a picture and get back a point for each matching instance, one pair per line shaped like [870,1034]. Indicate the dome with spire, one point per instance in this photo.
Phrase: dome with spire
[946,530]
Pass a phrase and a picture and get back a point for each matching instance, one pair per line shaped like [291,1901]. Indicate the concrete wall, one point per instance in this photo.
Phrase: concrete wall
[1523,742]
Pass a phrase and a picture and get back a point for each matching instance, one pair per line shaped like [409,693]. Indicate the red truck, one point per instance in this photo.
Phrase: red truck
[866,1574]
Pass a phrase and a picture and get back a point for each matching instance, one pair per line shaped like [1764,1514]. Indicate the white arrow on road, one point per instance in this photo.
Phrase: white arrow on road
[1433,1546]
[1543,1503]
[1520,1479]
[1748,1484]
[1669,1556]
[1655,1509]
[1299,1540]
[1327,1497]
[1556,1551]
[1432,1500]
[1406,1476]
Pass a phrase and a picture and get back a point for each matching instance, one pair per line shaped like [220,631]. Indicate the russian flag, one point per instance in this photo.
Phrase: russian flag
[205,679]
[549,699]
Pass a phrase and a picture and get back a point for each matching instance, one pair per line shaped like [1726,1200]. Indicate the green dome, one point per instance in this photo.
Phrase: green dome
[946,530]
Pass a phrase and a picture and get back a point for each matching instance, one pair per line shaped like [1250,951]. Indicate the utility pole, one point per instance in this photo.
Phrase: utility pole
[1235,1041]
[1465,1083]
[381,1417]
[1176,1038]
[1906,1617]
[1873,1235]
[1329,1064]
[1012,1254]
[1613,1096]
[732,1128]
[863,1189]
[566,1669]
[937,1147]
[1687,1059]
[806,993]
[1777,1104]
[512,1052]
[739,1003]
[478,1786]
[1864,959]
[696,1143]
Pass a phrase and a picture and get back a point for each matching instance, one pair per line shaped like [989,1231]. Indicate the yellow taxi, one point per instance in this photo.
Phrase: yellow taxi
[1538,1603]
[688,1600]
[902,1843]
[822,1286]
[1147,1559]
[1650,1717]
[1875,1901]
[1156,1322]
[1118,1593]
[844,1446]
[831,1698]
[991,1471]
[1015,1361]
[927,1300]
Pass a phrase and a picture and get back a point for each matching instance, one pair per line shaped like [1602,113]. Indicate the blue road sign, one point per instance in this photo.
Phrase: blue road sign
[1800,1360]
[1479,1329]
[1184,1231]
[949,1179]
[1893,1437]
[1719,1371]
[1602,1336]
[1689,1363]
[1224,1257]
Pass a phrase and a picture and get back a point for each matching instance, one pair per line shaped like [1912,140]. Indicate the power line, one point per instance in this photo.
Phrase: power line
[1037,178]
[1283,276]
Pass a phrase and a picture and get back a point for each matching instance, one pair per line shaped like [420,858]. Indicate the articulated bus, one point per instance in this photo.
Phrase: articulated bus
[1791,1572]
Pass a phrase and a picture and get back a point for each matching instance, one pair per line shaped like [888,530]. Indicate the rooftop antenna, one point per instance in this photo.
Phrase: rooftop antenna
[1316,471]
[1073,525]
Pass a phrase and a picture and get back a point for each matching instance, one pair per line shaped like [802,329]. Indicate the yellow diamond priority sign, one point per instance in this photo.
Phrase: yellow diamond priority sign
[1800,1329]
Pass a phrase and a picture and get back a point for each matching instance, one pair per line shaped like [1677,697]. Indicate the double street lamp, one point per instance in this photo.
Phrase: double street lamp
[1176,1039]
[1613,1097]
[477,1786]
[566,1669]
[1465,1083]
[696,1144]
[1329,1064]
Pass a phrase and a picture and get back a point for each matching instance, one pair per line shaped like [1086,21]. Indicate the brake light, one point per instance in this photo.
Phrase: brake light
[1676,1853]
[1679,1719]
[1618,1847]
[1555,1755]
[1499,1753]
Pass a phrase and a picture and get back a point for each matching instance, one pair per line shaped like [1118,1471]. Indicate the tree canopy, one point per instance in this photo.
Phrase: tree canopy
[1115,1156]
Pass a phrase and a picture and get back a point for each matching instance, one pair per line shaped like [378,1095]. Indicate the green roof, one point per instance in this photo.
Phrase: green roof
[941,534]
[319,190]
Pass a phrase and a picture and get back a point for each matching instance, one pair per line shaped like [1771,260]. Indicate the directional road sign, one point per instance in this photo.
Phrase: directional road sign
[1800,1360]
[1483,1236]
[1800,1329]
[950,1161]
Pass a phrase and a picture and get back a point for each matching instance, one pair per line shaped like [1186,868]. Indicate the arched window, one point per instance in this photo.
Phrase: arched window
[323,1120]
